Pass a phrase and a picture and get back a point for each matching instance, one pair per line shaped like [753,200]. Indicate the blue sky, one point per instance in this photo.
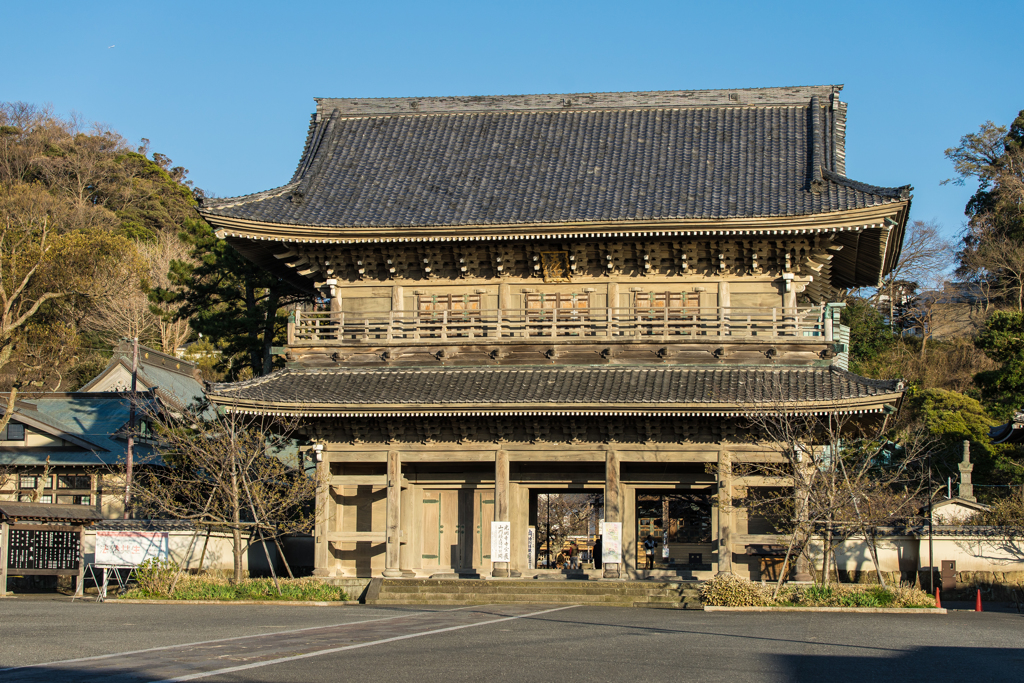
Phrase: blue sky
[226,88]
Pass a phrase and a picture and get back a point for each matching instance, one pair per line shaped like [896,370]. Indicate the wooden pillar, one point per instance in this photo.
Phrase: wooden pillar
[724,303]
[612,503]
[392,552]
[501,505]
[725,512]
[322,565]
[629,527]
[4,539]
[407,559]
[519,516]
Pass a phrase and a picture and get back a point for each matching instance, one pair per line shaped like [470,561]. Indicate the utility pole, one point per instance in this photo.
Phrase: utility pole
[131,428]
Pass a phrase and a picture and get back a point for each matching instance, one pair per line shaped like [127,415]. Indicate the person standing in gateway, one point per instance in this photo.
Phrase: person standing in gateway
[649,546]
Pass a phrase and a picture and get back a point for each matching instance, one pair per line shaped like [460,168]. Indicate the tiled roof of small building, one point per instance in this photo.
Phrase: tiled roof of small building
[642,157]
[549,388]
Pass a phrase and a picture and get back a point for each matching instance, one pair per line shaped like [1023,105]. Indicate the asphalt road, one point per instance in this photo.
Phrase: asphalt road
[54,640]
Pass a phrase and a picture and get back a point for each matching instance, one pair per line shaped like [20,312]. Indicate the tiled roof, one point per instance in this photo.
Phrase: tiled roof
[89,422]
[145,525]
[528,159]
[49,512]
[548,388]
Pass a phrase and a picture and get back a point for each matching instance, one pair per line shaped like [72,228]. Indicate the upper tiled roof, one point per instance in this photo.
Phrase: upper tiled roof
[772,152]
[604,388]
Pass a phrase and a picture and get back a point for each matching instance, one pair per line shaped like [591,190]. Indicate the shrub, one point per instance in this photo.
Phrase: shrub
[153,578]
[733,591]
[155,581]
[852,595]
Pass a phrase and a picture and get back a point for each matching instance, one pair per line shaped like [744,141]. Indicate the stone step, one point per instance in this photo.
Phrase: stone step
[527,590]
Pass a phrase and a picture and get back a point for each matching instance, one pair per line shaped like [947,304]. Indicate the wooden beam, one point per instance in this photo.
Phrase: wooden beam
[357,536]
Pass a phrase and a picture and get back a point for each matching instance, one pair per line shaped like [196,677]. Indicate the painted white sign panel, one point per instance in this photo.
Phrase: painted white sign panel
[611,543]
[501,541]
[129,548]
[531,547]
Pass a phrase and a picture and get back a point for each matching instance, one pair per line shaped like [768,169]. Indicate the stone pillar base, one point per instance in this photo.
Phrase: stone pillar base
[500,571]
[392,573]
[611,570]
[323,573]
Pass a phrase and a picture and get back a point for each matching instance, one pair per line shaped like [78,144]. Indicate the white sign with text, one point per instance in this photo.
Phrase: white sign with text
[131,548]
[611,543]
[501,541]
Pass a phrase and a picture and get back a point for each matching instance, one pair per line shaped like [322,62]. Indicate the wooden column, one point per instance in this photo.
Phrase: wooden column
[80,579]
[724,302]
[4,538]
[630,564]
[519,516]
[392,552]
[322,566]
[501,504]
[724,512]
[612,503]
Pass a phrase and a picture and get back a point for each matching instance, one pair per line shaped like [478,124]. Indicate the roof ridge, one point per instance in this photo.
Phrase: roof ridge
[726,97]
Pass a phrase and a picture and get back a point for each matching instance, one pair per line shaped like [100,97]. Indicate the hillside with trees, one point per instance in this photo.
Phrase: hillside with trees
[99,241]
[949,319]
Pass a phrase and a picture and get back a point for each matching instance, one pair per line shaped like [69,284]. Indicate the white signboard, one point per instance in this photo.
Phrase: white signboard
[611,543]
[129,548]
[664,544]
[501,542]
[531,547]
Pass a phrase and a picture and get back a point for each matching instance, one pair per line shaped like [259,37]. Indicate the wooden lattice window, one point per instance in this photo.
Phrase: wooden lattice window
[431,306]
[538,304]
[679,304]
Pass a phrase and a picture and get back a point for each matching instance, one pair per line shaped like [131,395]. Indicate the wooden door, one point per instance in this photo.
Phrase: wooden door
[441,530]
[479,513]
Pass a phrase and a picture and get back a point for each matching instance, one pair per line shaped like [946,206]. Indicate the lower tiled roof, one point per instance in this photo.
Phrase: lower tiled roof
[550,389]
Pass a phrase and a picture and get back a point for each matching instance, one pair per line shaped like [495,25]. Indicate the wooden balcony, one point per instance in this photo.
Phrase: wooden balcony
[330,328]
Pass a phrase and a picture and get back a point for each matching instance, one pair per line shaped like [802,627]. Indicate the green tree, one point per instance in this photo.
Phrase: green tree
[1002,340]
[230,299]
[994,157]
[870,336]
[953,418]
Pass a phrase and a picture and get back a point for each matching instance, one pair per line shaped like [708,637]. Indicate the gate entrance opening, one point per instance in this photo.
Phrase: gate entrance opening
[680,521]
[561,519]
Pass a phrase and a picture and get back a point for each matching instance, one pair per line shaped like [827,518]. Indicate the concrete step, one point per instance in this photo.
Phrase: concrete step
[648,594]
[529,590]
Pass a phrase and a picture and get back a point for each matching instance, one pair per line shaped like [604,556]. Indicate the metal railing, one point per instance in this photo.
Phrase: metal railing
[314,328]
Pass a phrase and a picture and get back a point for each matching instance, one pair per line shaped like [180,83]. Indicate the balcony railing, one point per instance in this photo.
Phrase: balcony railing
[316,328]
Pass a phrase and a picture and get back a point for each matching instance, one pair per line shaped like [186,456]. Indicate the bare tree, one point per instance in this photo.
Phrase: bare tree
[131,313]
[234,472]
[924,254]
[830,475]
[54,255]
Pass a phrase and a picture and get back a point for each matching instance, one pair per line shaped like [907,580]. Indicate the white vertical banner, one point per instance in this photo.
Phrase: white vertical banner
[501,541]
[531,547]
[611,543]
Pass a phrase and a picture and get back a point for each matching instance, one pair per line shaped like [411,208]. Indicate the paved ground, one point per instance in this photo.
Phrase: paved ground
[60,641]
